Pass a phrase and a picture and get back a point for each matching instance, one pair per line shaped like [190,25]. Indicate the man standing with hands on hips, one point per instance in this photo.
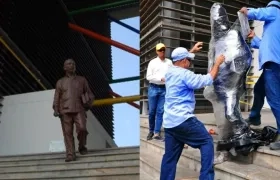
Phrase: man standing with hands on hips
[156,71]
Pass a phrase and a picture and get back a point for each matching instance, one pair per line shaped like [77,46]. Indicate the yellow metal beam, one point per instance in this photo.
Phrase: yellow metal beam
[22,63]
[110,101]
[242,102]
[253,76]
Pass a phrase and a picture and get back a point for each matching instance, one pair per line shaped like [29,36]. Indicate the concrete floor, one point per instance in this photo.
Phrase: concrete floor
[267,118]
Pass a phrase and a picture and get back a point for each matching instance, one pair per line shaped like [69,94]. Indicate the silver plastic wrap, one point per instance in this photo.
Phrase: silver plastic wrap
[229,85]
[244,24]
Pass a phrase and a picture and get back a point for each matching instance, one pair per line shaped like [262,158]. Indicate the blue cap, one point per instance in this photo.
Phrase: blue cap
[181,53]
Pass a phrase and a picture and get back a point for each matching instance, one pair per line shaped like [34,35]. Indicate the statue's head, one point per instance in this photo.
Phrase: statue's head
[219,20]
[69,66]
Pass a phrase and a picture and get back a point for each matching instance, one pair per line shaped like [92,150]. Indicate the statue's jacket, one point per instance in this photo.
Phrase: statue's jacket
[68,94]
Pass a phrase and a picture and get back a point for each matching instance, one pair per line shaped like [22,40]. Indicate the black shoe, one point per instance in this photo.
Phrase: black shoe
[253,121]
[158,137]
[83,151]
[150,136]
[70,158]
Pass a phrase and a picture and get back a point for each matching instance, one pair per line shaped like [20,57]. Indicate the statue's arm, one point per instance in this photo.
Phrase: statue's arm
[211,55]
[57,95]
[88,91]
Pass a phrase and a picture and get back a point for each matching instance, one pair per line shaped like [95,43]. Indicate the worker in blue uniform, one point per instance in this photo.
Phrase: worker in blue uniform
[268,85]
[179,122]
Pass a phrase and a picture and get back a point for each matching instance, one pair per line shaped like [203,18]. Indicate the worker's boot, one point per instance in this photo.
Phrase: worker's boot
[275,145]
[253,121]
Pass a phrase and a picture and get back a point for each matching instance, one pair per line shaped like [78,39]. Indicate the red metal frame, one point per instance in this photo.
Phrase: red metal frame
[103,39]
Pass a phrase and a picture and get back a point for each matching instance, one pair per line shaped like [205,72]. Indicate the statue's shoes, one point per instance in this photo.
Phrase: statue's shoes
[240,128]
[221,157]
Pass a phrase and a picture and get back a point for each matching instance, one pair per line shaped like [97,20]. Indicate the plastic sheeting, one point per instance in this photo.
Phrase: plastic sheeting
[229,85]
[244,24]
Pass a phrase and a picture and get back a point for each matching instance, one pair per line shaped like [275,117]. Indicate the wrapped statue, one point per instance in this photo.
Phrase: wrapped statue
[230,83]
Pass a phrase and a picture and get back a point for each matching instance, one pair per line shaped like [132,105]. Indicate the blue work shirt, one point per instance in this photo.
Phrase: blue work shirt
[269,45]
[179,97]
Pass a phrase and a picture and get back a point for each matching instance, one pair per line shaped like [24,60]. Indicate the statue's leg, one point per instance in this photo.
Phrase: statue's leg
[81,129]
[223,125]
[67,129]
[233,113]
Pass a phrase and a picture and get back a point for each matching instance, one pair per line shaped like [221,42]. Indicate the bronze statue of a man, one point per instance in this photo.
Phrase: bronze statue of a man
[72,99]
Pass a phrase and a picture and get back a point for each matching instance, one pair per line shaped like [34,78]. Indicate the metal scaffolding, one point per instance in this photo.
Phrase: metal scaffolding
[103,39]
[103,7]
[180,23]
[118,98]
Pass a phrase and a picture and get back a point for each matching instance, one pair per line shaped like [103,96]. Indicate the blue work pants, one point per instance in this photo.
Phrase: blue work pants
[193,133]
[156,99]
